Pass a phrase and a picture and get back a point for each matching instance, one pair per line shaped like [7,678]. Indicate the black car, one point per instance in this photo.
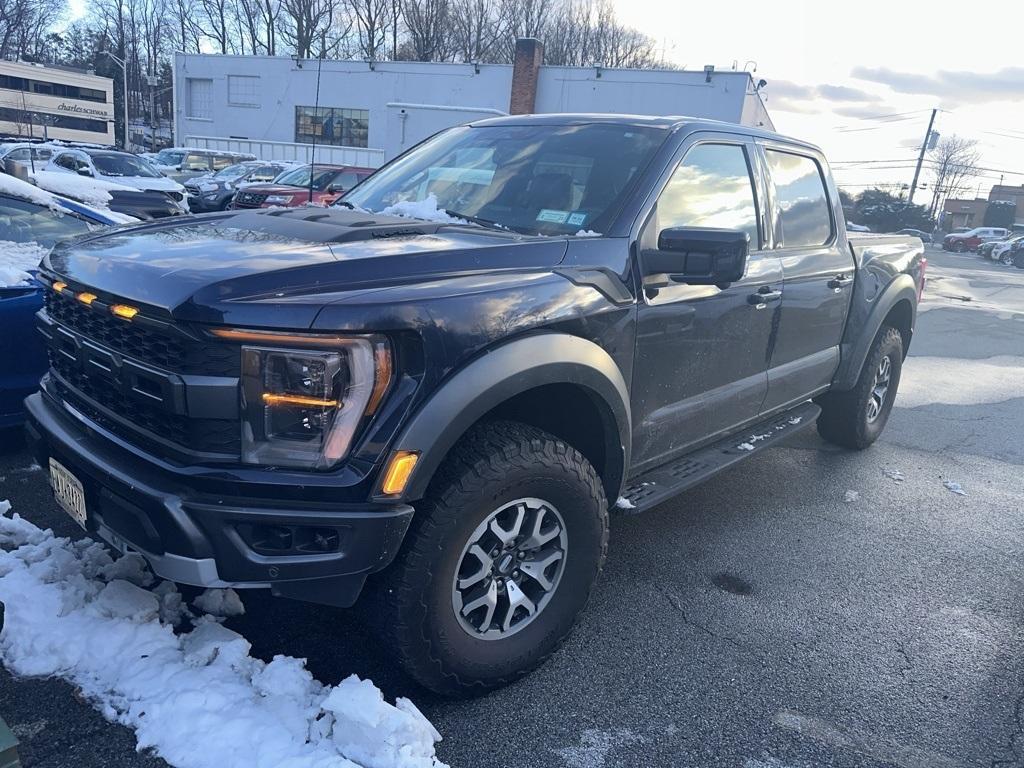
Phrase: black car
[925,237]
[439,388]
[214,192]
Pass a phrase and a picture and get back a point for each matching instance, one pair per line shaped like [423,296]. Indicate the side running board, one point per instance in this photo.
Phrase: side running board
[662,483]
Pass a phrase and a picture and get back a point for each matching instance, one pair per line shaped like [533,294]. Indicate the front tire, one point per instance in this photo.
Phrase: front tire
[856,418]
[499,562]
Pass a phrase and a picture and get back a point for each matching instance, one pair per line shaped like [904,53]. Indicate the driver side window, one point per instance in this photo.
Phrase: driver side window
[66,161]
[711,187]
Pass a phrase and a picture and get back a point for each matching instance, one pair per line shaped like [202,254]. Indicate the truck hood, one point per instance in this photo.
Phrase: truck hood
[272,268]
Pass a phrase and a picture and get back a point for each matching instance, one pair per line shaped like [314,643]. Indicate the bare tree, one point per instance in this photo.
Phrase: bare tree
[477,29]
[372,20]
[954,163]
[427,24]
[25,24]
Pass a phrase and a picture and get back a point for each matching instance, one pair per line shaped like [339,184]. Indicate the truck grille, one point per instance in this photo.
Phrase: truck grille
[127,378]
[170,351]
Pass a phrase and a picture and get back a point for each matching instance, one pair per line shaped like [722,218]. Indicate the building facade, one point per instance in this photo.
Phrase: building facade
[1007,193]
[49,102]
[391,106]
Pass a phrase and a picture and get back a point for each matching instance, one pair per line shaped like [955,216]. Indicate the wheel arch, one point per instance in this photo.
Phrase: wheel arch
[896,306]
[562,384]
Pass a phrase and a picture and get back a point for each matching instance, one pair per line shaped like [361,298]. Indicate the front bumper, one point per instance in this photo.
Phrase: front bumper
[319,552]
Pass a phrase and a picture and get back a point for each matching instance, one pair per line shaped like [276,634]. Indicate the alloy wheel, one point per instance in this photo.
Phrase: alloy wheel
[509,569]
[879,389]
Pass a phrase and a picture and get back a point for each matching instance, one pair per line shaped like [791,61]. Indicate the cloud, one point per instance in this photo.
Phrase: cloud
[953,87]
[794,97]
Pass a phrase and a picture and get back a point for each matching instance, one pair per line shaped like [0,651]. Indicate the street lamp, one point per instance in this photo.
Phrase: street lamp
[124,81]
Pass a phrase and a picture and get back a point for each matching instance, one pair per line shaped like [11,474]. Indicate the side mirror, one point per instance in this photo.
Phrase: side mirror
[699,255]
[83,171]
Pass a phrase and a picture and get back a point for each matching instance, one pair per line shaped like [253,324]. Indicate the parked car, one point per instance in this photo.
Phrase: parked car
[1016,255]
[330,182]
[30,222]
[181,163]
[214,192]
[27,154]
[999,250]
[924,237]
[129,202]
[851,227]
[120,168]
[972,238]
[448,379]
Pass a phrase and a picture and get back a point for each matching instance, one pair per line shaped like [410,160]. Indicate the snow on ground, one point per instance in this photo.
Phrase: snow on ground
[960,381]
[16,259]
[87,190]
[220,602]
[196,697]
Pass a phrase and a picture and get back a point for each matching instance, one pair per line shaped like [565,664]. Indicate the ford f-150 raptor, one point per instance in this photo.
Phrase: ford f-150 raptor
[437,388]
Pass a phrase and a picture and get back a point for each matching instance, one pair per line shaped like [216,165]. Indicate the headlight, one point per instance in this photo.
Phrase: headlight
[279,199]
[303,407]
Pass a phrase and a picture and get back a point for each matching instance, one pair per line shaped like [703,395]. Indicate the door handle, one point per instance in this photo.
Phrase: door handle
[763,296]
[839,282]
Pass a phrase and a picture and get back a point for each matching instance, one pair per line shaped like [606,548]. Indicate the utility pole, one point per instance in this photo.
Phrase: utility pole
[920,157]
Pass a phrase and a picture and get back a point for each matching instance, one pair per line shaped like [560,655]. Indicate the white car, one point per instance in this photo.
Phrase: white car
[1002,249]
[118,168]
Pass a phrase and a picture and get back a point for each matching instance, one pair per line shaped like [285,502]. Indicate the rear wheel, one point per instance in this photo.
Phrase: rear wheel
[959,246]
[499,562]
[856,418]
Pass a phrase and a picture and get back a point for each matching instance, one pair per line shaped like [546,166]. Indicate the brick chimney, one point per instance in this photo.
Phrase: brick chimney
[525,69]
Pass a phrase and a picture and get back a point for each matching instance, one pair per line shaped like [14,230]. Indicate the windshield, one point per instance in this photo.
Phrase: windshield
[233,172]
[300,177]
[123,165]
[547,179]
[169,157]
[25,222]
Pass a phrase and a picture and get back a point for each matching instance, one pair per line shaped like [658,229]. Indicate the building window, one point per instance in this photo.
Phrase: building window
[332,125]
[46,88]
[200,98]
[31,119]
[242,90]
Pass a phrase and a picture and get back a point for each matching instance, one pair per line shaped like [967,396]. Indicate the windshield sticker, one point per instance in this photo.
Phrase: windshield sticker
[555,217]
[575,219]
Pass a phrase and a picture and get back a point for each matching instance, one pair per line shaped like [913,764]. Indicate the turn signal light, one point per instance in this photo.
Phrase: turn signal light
[59,286]
[86,298]
[398,472]
[313,402]
[124,311]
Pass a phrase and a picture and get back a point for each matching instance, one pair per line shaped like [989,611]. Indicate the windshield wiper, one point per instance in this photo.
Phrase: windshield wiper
[487,223]
[344,204]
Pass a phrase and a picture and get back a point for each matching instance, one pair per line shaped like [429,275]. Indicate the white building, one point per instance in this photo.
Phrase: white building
[386,107]
[55,103]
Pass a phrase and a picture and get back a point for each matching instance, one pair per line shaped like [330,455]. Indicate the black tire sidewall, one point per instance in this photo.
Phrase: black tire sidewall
[888,344]
[485,659]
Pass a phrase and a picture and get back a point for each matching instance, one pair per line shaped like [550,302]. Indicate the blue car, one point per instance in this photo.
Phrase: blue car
[25,219]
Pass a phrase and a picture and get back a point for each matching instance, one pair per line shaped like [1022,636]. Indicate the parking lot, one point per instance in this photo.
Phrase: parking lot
[809,607]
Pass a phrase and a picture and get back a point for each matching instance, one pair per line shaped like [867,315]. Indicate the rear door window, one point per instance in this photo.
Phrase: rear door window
[802,201]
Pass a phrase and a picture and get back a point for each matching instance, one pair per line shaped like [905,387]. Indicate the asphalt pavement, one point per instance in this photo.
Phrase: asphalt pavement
[802,609]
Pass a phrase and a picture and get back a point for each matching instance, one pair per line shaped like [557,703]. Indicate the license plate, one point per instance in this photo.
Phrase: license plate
[68,491]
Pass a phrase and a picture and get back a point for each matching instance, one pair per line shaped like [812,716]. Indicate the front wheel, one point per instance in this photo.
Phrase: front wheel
[856,418]
[500,560]
[959,247]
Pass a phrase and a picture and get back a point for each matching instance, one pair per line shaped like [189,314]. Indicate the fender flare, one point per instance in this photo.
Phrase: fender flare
[504,372]
[855,351]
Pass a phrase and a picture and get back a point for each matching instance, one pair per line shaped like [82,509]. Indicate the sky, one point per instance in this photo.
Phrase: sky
[860,79]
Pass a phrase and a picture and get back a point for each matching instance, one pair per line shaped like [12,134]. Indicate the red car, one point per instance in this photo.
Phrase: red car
[292,187]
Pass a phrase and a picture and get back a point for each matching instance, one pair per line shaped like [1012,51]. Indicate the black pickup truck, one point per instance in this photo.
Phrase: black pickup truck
[437,389]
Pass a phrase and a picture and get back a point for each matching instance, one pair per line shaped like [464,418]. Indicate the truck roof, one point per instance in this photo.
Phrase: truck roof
[670,122]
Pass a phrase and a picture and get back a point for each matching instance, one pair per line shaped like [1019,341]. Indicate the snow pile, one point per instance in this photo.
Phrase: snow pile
[16,259]
[220,602]
[197,699]
[588,233]
[83,188]
[18,188]
[425,209]
[745,447]
[623,503]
